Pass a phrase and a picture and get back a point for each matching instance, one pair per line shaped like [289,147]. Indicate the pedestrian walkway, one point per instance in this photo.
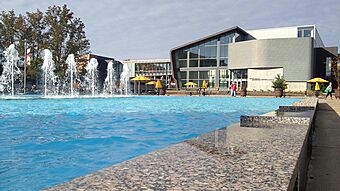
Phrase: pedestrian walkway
[324,167]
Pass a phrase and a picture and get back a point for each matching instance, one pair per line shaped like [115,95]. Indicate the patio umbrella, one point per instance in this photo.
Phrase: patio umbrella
[190,84]
[139,79]
[317,87]
[158,84]
[204,84]
[151,83]
[317,81]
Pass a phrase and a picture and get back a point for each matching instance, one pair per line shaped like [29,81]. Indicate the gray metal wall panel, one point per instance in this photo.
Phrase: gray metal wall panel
[294,55]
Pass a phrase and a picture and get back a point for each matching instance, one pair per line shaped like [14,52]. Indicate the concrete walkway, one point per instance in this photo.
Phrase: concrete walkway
[324,167]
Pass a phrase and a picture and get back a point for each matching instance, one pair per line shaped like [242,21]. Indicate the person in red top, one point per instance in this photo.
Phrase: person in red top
[233,89]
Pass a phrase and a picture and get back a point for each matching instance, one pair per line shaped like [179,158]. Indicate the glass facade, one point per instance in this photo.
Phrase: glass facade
[205,60]
[153,69]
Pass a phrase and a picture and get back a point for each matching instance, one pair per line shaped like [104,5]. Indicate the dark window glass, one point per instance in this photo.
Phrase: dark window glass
[204,75]
[299,33]
[182,63]
[193,63]
[224,62]
[224,51]
[182,54]
[183,82]
[240,74]
[208,63]
[208,52]
[193,75]
[211,42]
[226,39]
[183,74]
[307,33]
[194,52]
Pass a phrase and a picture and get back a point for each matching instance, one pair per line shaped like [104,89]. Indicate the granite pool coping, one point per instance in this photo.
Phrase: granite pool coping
[230,158]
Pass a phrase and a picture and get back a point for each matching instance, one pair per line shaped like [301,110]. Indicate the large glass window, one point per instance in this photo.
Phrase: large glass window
[182,54]
[212,78]
[208,63]
[224,78]
[224,50]
[194,52]
[183,74]
[183,82]
[240,74]
[183,63]
[204,75]
[226,39]
[193,63]
[193,75]
[224,62]
[208,51]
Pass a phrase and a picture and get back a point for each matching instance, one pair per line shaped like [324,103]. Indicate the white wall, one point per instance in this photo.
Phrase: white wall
[284,32]
[261,79]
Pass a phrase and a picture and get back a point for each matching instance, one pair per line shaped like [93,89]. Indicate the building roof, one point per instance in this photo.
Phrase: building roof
[236,28]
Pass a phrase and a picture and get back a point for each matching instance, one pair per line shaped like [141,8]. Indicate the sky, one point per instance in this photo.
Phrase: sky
[148,29]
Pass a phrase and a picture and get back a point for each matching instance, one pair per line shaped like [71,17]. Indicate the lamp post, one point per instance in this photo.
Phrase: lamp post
[25,63]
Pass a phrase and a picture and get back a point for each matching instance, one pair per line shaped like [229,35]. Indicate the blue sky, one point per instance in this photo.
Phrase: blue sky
[146,29]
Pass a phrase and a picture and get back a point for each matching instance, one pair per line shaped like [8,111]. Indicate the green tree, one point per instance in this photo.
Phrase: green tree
[7,31]
[57,29]
[36,41]
[66,35]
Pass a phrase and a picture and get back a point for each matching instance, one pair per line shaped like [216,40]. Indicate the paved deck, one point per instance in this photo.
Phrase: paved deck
[324,167]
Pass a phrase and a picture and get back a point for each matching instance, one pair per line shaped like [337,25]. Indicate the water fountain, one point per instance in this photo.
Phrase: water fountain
[11,71]
[91,75]
[71,73]
[48,69]
[124,80]
[110,79]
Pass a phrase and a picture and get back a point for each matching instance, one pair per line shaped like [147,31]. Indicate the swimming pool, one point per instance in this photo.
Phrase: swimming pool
[44,142]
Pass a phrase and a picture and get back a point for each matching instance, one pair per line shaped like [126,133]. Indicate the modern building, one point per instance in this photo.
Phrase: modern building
[102,66]
[253,58]
[153,69]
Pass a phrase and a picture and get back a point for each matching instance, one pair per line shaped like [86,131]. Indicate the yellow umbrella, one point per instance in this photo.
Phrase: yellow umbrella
[151,83]
[140,78]
[317,87]
[319,80]
[158,84]
[190,84]
[204,84]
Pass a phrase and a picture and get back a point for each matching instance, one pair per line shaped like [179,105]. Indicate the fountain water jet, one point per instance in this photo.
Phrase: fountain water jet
[11,71]
[91,75]
[110,78]
[124,80]
[48,68]
[71,72]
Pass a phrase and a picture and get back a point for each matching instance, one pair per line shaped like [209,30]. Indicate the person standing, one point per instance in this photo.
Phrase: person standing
[329,90]
[233,89]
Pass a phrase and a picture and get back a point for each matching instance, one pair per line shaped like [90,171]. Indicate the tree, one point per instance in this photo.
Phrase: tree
[7,31]
[36,41]
[57,29]
[66,35]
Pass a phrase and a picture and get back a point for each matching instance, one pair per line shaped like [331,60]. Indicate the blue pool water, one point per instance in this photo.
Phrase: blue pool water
[44,142]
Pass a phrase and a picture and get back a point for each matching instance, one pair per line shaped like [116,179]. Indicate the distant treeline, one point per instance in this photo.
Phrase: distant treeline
[56,29]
